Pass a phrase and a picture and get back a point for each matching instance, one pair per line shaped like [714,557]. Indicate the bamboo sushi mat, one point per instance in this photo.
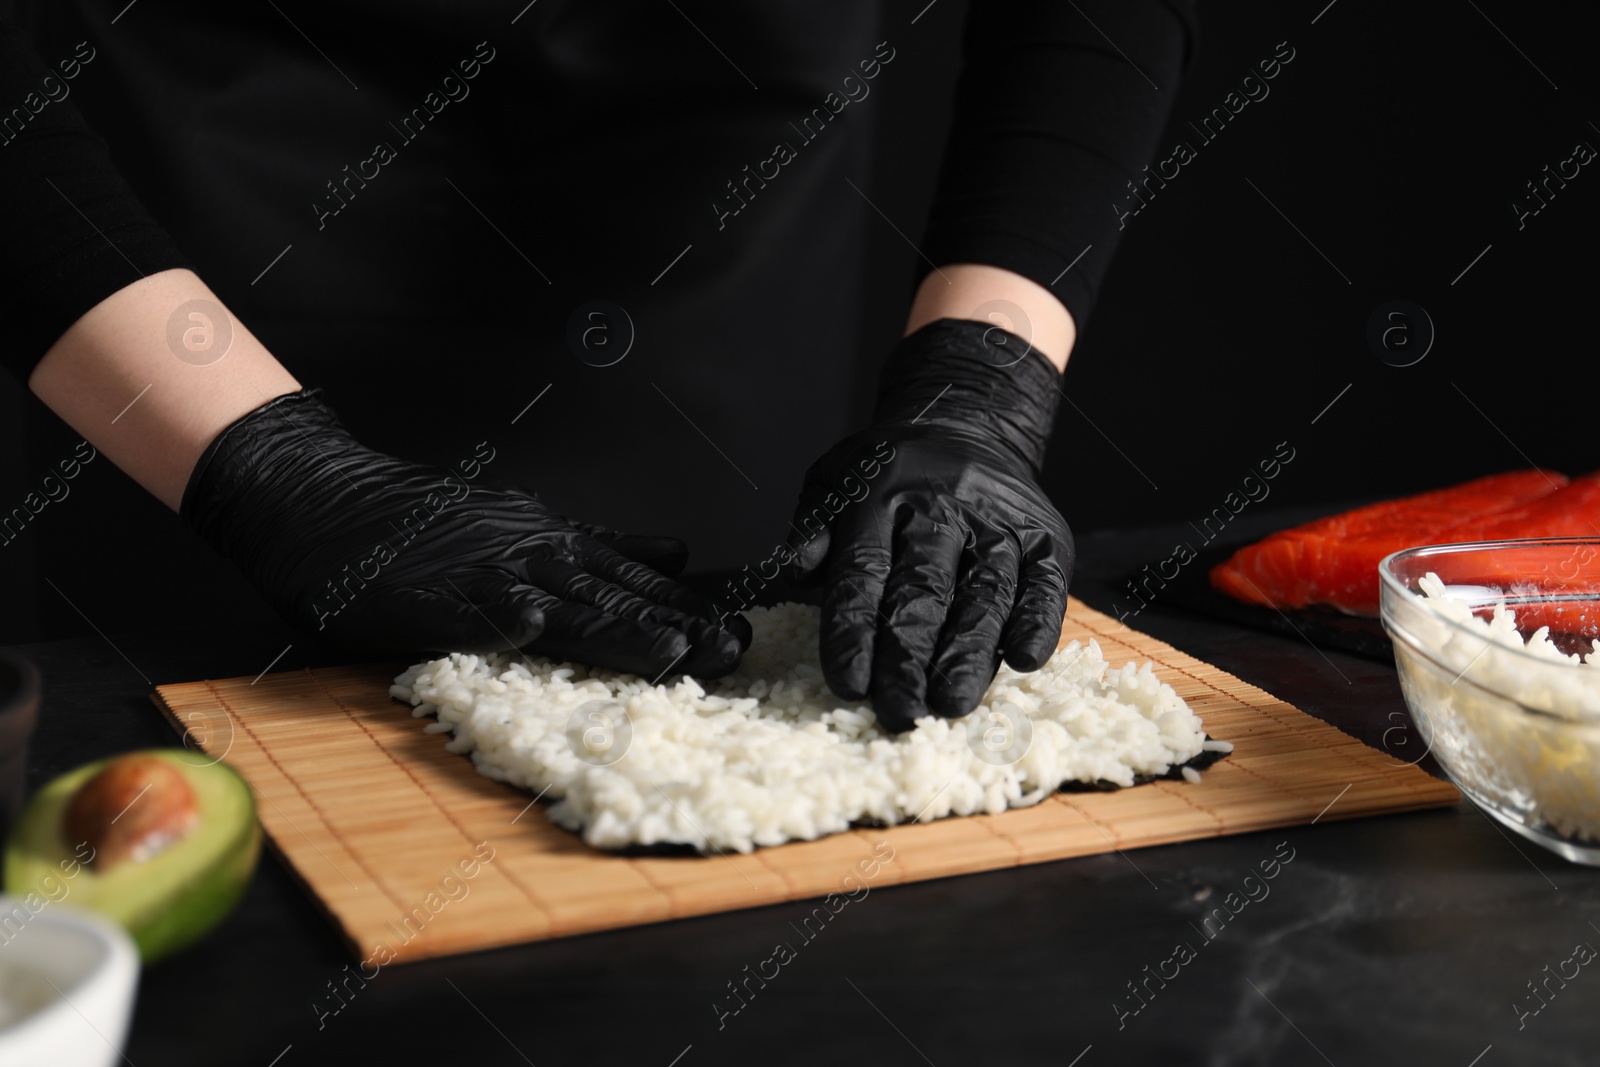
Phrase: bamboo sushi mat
[382,824]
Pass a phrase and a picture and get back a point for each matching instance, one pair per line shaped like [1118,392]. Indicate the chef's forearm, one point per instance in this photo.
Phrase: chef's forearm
[992,294]
[152,373]
[1051,123]
[97,311]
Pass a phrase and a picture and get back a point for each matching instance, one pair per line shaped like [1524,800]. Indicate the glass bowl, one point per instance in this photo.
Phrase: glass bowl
[1516,726]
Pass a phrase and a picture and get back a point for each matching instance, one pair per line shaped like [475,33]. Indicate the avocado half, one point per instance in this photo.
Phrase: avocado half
[166,895]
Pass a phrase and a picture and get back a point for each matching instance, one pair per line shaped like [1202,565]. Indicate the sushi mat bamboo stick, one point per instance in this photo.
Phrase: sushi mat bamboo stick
[413,854]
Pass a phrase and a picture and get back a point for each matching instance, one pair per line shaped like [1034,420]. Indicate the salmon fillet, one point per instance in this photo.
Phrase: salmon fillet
[1335,560]
[1571,511]
[1580,618]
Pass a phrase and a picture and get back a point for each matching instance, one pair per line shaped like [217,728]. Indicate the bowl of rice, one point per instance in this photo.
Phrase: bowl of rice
[1497,644]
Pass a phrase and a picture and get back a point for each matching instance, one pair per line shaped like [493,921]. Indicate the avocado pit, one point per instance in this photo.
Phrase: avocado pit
[131,811]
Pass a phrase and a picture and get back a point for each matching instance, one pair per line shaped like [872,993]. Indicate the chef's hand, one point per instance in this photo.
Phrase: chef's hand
[387,556]
[953,558]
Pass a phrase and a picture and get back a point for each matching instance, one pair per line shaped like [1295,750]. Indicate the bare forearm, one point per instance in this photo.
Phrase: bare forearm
[152,406]
[992,294]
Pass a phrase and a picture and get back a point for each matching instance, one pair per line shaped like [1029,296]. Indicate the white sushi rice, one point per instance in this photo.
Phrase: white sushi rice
[768,754]
[1503,665]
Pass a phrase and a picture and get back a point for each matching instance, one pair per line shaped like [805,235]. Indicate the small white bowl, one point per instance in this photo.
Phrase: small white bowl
[93,967]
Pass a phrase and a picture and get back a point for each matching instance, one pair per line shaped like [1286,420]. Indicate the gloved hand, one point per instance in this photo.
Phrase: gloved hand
[953,556]
[391,557]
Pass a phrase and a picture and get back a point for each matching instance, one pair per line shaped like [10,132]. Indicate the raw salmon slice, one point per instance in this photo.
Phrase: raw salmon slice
[1571,511]
[1548,583]
[1335,560]
[1571,581]
[1577,618]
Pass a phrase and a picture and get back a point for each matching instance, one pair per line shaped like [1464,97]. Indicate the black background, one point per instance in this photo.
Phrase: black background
[1394,143]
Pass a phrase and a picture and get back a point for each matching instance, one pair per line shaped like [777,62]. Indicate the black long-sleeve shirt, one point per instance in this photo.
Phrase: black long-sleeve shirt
[1057,107]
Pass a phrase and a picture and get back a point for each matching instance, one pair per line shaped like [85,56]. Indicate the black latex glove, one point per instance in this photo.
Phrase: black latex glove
[952,556]
[390,557]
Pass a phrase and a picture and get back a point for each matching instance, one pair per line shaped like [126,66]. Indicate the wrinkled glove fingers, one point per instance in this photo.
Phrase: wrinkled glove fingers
[812,528]
[916,599]
[809,540]
[1033,630]
[716,639]
[857,572]
[969,647]
[585,634]
[471,617]
[706,651]
[662,554]
[702,619]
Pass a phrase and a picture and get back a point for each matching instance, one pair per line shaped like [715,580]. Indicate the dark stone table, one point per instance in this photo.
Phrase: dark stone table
[1403,939]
